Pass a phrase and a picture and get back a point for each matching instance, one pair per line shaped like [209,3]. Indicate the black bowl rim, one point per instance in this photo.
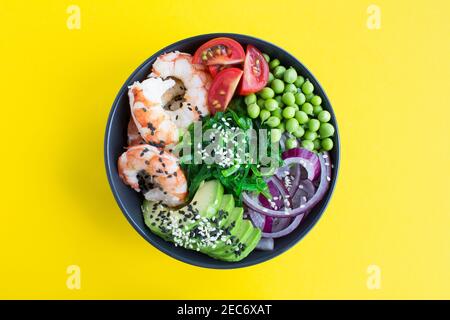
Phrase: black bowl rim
[243,263]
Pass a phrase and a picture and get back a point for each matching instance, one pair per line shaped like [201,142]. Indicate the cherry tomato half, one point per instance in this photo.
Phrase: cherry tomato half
[216,68]
[222,89]
[219,51]
[256,72]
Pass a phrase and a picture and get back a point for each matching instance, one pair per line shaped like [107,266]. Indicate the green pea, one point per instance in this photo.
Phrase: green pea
[307,108]
[274,63]
[281,127]
[299,81]
[301,117]
[266,56]
[251,98]
[326,130]
[277,113]
[300,98]
[292,125]
[314,124]
[280,102]
[277,86]
[299,132]
[264,115]
[308,144]
[310,135]
[289,112]
[295,107]
[253,110]
[316,144]
[271,104]
[271,77]
[291,143]
[290,88]
[309,97]
[288,98]
[275,135]
[290,75]
[307,87]
[327,144]
[317,110]
[273,122]
[316,100]
[266,93]
[324,116]
[261,102]
[278,72]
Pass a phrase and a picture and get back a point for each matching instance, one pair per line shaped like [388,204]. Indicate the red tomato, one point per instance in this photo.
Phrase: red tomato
[222,89]
[256,72]
[216,68]
[219,51]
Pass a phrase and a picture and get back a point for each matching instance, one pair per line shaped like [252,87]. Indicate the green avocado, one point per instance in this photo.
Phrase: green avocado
[160,218]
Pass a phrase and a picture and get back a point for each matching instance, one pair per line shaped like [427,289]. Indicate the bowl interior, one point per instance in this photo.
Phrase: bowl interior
[130,201]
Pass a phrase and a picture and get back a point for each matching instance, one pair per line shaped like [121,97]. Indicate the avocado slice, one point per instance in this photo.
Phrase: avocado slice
[160,218]
[226,206]
[232,225]
[246,244]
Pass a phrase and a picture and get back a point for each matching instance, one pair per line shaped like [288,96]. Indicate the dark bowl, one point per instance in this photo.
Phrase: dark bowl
[130,201]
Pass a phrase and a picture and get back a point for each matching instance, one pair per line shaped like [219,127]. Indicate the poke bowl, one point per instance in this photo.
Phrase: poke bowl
[227,212]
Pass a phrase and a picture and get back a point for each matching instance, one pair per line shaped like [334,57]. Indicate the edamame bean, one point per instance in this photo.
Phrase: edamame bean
[307,87]
[253,110]
[277,113]
[316,144]
[260,102]
[290,75]
[264,115]
[266,93]
[266,56]
[326,130]
[300,80]
[327,144]
[309,97]
[273,122]
[317,110]
[291,143]
[307,108]
[324,116]
[277,86]
[288,98]
[291,125]
[251,98]
[289,112]
[271,104]
[308,144]
[300,98]
[280,102]
[313,125]
[301,117]
[316,100]
[299,132]
[310,135]
[275,135]
[274,63]
[278,72]
[281,127]
[290,87]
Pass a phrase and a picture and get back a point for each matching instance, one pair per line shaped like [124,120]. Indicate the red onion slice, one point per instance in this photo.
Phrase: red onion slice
[308,159]
[325,177]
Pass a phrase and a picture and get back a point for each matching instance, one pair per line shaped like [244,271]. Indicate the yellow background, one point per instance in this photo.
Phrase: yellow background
[389,89]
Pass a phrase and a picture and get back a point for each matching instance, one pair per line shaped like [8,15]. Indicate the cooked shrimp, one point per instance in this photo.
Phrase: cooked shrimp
[134,137]
[153,122]
[186,101]
[154,172]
